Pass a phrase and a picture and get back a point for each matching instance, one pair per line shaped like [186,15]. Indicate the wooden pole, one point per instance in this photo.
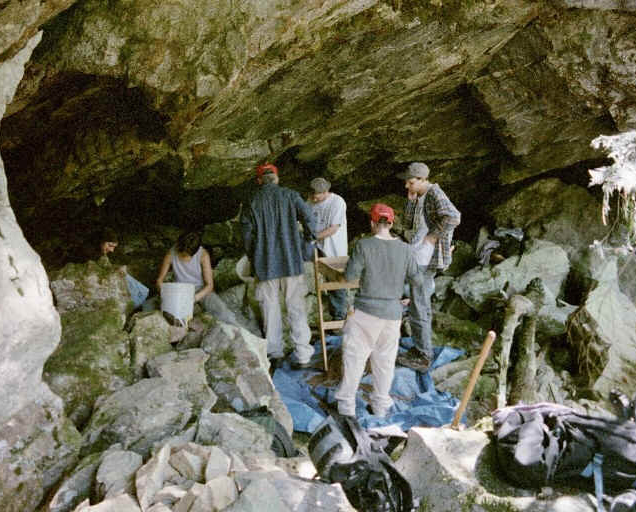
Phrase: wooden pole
[485,349]
[321,322]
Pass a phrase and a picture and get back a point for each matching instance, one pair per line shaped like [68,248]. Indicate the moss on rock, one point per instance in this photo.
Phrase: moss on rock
[92,359]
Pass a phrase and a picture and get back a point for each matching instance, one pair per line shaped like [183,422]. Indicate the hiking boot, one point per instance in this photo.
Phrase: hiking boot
[415,360]
[295,365]
[274,364]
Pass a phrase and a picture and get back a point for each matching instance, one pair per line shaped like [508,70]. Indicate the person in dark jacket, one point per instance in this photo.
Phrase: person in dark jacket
[274,245]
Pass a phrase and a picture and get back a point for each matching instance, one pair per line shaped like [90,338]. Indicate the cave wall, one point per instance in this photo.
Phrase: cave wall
[164,98]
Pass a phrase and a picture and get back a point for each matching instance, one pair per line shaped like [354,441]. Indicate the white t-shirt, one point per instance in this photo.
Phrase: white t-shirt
[329,212]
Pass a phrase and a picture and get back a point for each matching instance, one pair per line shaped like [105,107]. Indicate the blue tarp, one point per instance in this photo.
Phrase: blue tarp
[417,403]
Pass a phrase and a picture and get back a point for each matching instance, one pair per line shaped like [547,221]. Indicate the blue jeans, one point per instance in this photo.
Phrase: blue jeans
[338,302]
[421,313]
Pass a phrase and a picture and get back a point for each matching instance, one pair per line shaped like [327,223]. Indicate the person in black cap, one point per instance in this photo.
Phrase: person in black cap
[429,220]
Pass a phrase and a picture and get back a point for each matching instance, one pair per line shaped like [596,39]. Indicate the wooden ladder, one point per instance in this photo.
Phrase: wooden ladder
[329,275]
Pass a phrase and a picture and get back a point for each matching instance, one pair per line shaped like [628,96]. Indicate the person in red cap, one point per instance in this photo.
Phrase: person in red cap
[383,263]
[274,245]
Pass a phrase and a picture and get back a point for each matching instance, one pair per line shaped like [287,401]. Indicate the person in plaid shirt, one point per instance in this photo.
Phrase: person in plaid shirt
[429,219]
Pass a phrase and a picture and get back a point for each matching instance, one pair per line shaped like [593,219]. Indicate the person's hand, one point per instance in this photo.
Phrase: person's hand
[431,239]
[405,302]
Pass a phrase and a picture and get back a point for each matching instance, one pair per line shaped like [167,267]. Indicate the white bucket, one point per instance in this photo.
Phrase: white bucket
[243,270]
[178,300]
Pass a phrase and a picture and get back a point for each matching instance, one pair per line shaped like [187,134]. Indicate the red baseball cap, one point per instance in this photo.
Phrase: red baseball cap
[266,169]
[379,210]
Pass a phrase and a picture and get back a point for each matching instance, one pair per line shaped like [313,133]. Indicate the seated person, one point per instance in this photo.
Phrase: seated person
[190,263]
[108,242]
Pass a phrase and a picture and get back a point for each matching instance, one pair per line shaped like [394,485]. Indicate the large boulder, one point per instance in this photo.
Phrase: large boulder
[186,370]
[451,470]
[92,360]
[87,286]
[246,313]
[238,372]
[225,275]
[120,503]
[38,445]
[588,265]
[603,331]
[137,416]
[541,259]
[78,486]
[150,336]
[551,210]
[237,435]
[276,491]
[116,474]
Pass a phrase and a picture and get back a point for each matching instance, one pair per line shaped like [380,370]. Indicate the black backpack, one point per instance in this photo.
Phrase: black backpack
[344,452]
[546,443]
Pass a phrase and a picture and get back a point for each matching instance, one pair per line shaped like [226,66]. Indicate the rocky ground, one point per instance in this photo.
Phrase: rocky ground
[150,401]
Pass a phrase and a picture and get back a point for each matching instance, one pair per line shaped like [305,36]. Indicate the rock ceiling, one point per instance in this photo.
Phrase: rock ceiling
[125,98]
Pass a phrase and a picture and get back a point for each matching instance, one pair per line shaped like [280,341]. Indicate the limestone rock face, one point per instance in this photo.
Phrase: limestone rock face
[38,445]
[29,325]
[38,442]
[21,21]
[93,359]
[563,214]
[603,330]
[194,95]
[237,371]
[235,434]
[137,416]
[186,370]
[541,259]
[149,337]
[86,286]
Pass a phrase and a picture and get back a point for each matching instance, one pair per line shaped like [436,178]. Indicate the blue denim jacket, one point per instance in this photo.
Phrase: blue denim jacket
[271,236]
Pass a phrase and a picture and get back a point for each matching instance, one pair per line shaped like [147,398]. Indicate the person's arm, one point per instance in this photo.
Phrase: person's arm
[306,218]
[355,264]
[208,276]
[327,232]
[247,230]
[336,220]
[447,216]
[165,266]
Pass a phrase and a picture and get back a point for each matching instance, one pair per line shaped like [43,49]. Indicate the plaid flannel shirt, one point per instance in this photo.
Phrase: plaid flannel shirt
[432,212]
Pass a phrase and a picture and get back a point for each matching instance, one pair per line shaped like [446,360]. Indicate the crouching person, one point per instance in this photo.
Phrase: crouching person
[382,263]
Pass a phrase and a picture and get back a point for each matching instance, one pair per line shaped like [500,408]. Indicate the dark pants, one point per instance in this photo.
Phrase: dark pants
[338,302]
[421,313]
[337,299]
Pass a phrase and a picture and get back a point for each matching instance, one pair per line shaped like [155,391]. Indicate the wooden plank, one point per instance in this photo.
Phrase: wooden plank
[333,268]
[340,285]
[334,324]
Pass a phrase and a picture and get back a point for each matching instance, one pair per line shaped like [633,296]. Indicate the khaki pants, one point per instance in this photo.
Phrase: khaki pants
[368,337]
[294,290]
